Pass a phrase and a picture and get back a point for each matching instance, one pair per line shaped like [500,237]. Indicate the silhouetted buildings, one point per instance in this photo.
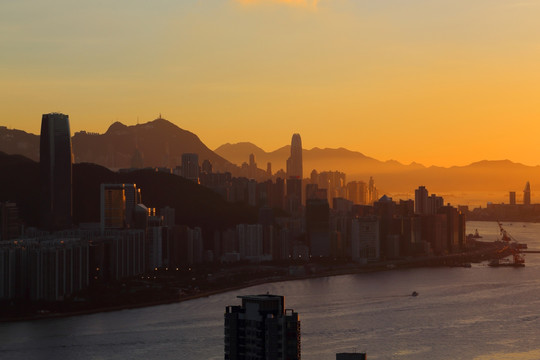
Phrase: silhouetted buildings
[318,227]
[294,162]
[294,196]
[190,167]
[337,223]
[365,245]
[118,203]
[43,268]
[373,194]
[262,329]
[10,224]
[293,199]
[512,198]
[420,200]
[332,181]
[527,194]
[425,204]
[514,211]
[357,192]
[55,171]
[117,254]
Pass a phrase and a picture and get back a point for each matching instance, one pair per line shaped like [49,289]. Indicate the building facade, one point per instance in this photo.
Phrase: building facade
[56,172]
[262,329]
[294,162]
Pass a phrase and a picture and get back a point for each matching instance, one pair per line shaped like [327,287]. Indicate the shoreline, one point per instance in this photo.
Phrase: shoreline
[188,297]
[488,251]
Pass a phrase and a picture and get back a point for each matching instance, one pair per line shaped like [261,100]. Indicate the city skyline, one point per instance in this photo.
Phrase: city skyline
[387,79]
[470,161]
[139,255]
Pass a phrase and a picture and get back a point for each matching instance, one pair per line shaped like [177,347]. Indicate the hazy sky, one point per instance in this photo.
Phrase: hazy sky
[434,81]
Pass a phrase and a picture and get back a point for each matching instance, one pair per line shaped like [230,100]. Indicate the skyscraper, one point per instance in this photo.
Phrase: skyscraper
[527,194]
[318,227]
[512,198]
[190,167]
[294,176]
[113,206]
[421,200]
[262,329]
[118,202]
[294,162]
[55,171]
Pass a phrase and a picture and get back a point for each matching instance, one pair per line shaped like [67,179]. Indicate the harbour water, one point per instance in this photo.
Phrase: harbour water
[460,313]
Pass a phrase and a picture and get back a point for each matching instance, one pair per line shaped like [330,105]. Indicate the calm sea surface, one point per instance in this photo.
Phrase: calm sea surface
[460,313]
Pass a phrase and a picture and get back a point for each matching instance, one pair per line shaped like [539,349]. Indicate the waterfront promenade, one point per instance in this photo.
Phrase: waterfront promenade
[164,287]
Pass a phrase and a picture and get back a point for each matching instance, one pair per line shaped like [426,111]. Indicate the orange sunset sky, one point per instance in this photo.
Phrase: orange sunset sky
[444,82]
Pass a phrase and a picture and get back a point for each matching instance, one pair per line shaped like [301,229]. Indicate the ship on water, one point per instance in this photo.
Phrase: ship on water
[507,262]
[512,247]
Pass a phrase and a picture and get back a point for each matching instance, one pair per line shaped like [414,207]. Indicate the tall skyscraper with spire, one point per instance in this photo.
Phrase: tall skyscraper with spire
[55,170]
[294,162]
[527,194]
[294,177]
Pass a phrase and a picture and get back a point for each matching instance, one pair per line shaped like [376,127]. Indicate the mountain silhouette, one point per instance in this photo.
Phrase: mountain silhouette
[160,143]
[392,176]
[13,141]
[351,162]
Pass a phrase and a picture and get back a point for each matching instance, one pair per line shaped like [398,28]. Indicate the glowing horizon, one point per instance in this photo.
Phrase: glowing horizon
[446,83]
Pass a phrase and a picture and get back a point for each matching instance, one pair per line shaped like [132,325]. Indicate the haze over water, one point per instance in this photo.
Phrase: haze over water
[460,313]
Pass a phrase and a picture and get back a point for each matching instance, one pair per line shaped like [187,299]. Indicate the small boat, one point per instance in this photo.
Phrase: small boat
[476,235]
[505,263]
[414,293]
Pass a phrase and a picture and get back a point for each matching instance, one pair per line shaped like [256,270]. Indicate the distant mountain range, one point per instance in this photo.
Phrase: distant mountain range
[161,144]
[392,176]
[341,159]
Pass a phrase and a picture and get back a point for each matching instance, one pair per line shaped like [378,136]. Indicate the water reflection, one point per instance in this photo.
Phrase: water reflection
[460,313]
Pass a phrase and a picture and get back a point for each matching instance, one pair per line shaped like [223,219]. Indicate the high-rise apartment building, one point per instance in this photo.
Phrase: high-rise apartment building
[10,224]
[262,329]
[55,171]
[434,203]
[294,196]
[118,203]
[373,193]
[190,167]
[357,192]
[512,196]
[113,206]
[421,200]
[294,162]
[318,227]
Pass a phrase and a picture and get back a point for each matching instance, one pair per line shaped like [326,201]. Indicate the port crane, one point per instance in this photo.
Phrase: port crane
[505,235]
[512,246]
